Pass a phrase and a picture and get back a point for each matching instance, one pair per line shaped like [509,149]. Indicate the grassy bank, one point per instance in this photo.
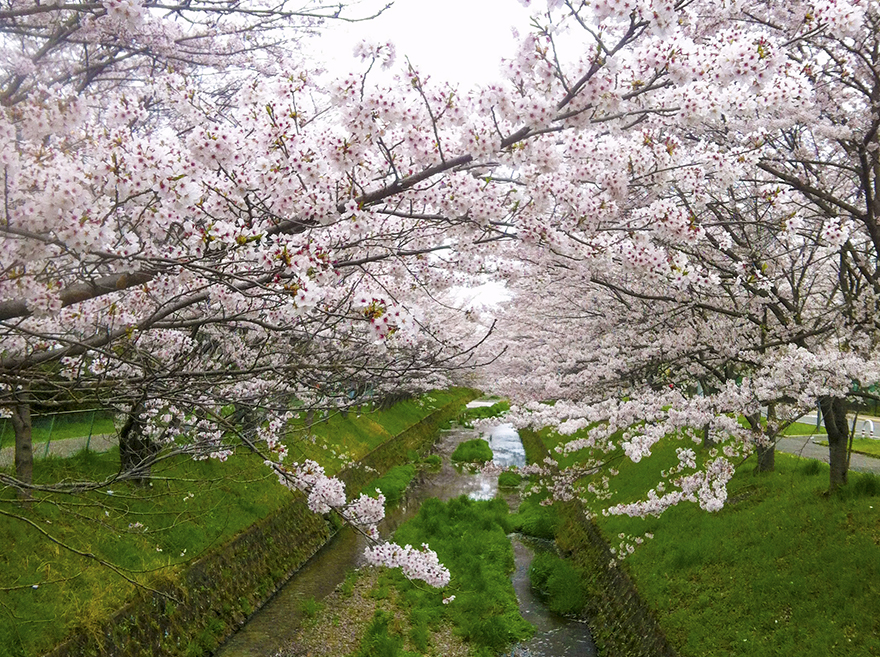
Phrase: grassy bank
[470,538]
[150,534]
[801,429]
[468,415]
[782,569]
[472,451]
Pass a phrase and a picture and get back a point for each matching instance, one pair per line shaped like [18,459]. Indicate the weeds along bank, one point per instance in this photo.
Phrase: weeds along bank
[782,569]
[216,538]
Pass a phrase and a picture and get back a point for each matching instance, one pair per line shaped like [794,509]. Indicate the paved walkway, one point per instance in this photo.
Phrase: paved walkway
[805,447]
[63,448]
[863,423]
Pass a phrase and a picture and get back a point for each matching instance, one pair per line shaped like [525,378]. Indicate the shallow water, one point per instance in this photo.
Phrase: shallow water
[275,625]
[556,635]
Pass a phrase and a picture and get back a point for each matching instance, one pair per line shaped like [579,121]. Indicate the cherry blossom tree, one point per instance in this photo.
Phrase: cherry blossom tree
[167,222]
[160,233]
[726,257]
[181,240]
[59,62]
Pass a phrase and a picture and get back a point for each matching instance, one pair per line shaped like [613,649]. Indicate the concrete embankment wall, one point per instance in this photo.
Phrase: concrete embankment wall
[194,613]
[620,621]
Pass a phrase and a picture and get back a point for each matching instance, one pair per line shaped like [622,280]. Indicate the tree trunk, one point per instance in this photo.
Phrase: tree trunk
[764,447]
[767,452]
[834,412]
[136,451]
[766,458]
[24,447]
[708,443]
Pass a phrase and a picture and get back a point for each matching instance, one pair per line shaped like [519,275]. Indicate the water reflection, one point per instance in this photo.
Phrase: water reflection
[481,403]
[506,446]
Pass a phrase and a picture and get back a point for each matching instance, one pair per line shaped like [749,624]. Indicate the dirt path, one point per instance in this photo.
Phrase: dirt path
[63,448]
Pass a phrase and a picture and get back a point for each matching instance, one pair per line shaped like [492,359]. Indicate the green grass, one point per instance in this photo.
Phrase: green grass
[473,451]
[509,480]
[197,506]
[338,440]
[783,569]
[470,538]
[192,506]
[310,607]
[392,484]
[379,641]
[535,519]
[480,412]
[793,429]
[558,583]
[432,461]
[801,429]
[867,446]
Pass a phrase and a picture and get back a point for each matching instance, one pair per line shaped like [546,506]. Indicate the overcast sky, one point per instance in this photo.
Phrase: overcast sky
[462,40]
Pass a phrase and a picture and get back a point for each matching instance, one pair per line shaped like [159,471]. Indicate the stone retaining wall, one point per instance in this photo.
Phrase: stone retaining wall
[535,449]
[193,614]
[620,621]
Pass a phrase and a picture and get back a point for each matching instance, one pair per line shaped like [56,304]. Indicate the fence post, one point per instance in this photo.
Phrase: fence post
[91,426]
[49,439]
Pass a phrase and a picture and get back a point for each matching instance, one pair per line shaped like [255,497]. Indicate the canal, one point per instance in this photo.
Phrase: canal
[276,624]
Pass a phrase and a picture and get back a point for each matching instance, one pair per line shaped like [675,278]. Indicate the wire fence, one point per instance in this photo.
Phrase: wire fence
[60,425]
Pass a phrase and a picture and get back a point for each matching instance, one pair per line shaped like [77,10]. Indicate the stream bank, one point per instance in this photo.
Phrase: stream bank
[322,613]
[621,622]
[193,613]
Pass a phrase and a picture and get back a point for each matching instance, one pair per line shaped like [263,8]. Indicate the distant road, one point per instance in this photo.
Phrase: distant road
[805,447]
[861,421]
[63,448]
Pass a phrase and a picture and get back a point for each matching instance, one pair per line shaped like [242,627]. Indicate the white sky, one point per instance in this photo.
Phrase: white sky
[459,40]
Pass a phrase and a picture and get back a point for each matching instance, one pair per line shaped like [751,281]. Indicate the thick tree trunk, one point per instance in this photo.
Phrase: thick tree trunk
[767,452]
[24,447]
[136,451]
[766,458]
[834,412]
[764,446]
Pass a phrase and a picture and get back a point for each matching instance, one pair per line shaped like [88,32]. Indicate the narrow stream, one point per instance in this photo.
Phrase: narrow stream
[276,624]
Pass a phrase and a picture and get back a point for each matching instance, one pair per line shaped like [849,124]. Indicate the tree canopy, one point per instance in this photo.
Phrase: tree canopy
[200,226]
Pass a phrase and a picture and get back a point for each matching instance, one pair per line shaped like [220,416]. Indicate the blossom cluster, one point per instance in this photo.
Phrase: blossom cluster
[416,563]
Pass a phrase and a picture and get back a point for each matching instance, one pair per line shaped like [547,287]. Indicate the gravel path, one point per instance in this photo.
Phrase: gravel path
[63,448]
[342,620]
